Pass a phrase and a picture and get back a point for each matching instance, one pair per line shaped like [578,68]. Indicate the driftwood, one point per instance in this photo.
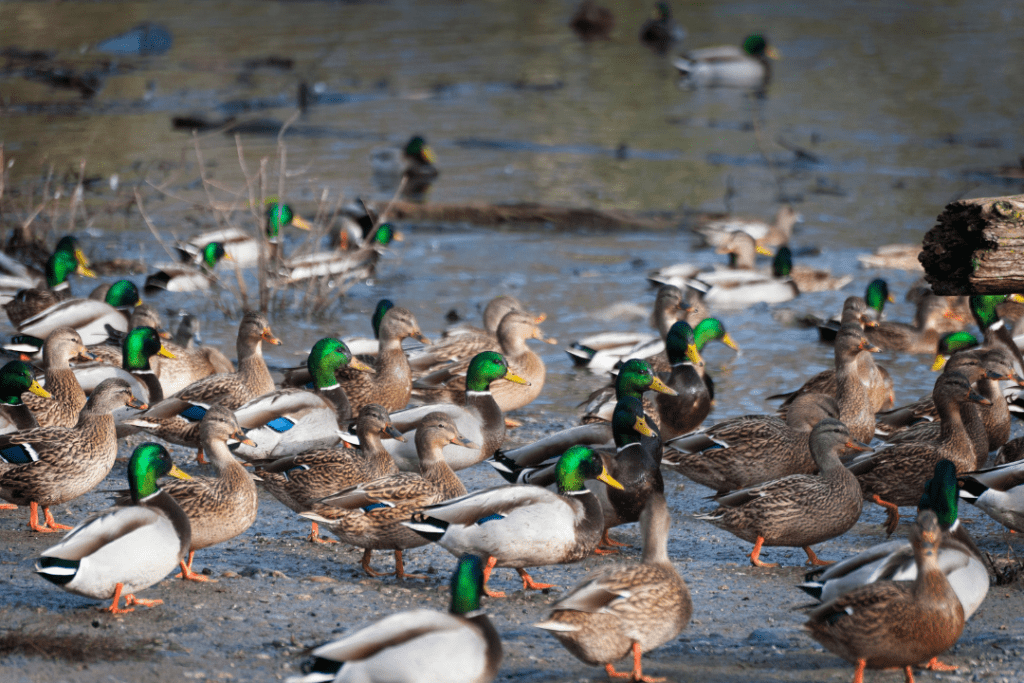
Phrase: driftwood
[976,247]
[526,213]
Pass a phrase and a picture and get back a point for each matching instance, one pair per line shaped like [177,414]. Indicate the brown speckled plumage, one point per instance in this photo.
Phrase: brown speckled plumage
[68,399]
[921,337]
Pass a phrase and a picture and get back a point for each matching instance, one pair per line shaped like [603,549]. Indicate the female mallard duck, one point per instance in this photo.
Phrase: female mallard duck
[185,277]
[922,337]
[53,465]
[68,398]
[16,379]
[999,491]
[729,66]
[301,480]
[370,515]
[344,268]
[480,420]
[289,421]
[895,623]
[661,31]
[893,257]
[776,234]
[448,385]
[460,646]
[892,477]
[67,258]
[128,548]
[751,449]
[93,319]
[523,526]
[741,285]
[242,247]
[625,609]
[221,507]
[801,509]
[176,419]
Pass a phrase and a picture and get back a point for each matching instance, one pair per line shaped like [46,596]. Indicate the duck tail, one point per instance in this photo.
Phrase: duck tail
[57,570]
[971,489]
[429,528]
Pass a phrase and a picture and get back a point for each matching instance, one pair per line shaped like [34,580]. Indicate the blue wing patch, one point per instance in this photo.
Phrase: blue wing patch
[194,413]
[281,424]
[18,454]
[490,518]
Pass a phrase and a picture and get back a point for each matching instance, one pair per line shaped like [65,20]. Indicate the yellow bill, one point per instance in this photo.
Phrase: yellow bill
[608,479]
[661,387]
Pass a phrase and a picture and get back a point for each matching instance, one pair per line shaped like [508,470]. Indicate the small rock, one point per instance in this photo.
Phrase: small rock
[278,574]
[231,575]
[320,579]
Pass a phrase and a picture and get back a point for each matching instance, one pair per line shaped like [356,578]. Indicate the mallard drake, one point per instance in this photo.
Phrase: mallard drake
[950,344]
[301,480]
[53,465]
[93,320]
[67,397]
[289,421]
[16,379]
[730,66]
[415,162]
[176,419]
[716,233]
[523,526]
[922,337]
[801,509]
[185,277]
[480,420]
[635,377]
[893,476]
[996,335]
[625,609]
[128,548]
[138,348]
[460,646]
[751,449]
[343,267]
[866,311]
[661,31]
[67,258]
[893,257]
[221,507]
[370,515]
[741,285]
[895,623]
[807,279]
[999,492]
[448,385]
[241,246]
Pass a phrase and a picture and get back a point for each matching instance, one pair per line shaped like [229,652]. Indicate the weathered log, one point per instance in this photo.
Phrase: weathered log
[976,247]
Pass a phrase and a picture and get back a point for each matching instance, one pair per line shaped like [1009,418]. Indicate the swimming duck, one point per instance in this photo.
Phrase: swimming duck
[480,420]
[893,257]
[176,419]
[185,277]
[950,344]
[94,320]
[448,385]
[625,609]
[343,268]
[523,526]
[741,285]
[999,492]
[895,623]
[807,279]
[893,476]
[460,646]
[716,233]
[301,480]
[241,246]
[745,66]
[996,335]
[801,509]
[67,258]
[415,163]
[661,31]
[370,515]
[289,420]
[67,397]
[54,465]
[128,548]
[921,337]
[866,311]
[751,449]
[592,21]
[16,379]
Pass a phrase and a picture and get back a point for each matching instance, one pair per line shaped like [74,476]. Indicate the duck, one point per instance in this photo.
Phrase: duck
[241,246]
[448,385]
[54,465]
[801,509]
[661,31]
[186,337]
[949,344]
[129,548]
[591,21]
[186,277]
[751,449]
[94,320]
[997,491]
[922,337]
[415,163]
[457,646]
[15,380]
[176,418]
[628,608]
[138,349]
[342,268]
[730,66]
[30,299]
[67,398]
[300,480]
[892,477]
[893,257]
[480,420]
[222,507]
[523,526]
[895,623]
[716,233]
[369,515]
[289,421]
[636,377]
[741,285]
[868,310]
[805,278]
[994,330]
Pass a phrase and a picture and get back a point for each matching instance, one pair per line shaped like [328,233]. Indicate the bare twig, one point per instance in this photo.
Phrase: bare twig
[149,224]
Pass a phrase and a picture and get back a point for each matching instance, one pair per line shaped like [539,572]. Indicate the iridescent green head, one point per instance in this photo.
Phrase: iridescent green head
[212,254]
[385,235]
[149,462]
[984,306]
[755,45]
[15,379]
[711,329]
[467,585]
[486,367]
[383,306]
[956,341]
[629,422]
[636,377]
[280,215]
[782,264]
[578,464]
[680,344]
[418,149]
[123,294]
[61,264]
[327,356]
[877,294]
[138,346]
[941,494]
